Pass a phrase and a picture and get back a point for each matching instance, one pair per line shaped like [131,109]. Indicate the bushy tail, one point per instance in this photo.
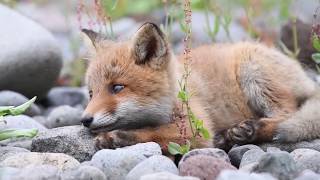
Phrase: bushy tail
[304,124]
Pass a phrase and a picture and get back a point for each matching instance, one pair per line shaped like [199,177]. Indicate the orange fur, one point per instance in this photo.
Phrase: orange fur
[233,84]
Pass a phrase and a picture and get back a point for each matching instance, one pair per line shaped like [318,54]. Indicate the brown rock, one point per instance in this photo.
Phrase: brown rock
[203,167]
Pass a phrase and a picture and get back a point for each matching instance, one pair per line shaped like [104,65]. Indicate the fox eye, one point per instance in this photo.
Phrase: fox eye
[90,94]
[116,88]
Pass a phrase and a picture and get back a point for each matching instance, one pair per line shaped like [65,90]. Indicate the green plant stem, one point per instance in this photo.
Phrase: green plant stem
[226,29]
[187,60]
[249,15]
[168,20]
[295,37]
[190,120]
[111,29]
[207,21]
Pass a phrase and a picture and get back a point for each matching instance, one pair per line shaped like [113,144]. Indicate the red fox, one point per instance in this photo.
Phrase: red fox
[244,92]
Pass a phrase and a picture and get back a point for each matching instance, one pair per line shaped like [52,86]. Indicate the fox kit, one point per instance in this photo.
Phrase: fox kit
[244,93]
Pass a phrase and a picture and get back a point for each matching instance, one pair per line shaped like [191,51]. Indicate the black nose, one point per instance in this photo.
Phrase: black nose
[87,120]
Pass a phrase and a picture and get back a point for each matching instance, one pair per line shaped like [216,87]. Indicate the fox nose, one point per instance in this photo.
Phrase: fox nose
[87,120]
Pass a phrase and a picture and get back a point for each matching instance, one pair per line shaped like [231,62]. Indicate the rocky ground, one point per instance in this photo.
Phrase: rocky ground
[68,152]
[64,149]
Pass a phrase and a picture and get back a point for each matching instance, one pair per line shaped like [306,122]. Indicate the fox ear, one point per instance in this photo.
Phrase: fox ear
[95,41]
[90,39]
[150,46]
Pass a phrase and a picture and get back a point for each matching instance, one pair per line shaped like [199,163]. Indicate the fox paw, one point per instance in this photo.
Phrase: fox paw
[114,139]
[242,133]
[102,141]
[221,141]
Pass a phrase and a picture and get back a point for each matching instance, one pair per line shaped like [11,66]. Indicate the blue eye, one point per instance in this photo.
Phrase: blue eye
[116,88]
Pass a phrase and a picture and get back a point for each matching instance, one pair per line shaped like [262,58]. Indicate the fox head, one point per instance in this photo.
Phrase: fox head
[131,84]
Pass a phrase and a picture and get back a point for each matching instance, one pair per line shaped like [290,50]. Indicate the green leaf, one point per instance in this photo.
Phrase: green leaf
[316,42]
[185,148]
[199,124]
[205,133]
[183,96]
[2,119]
[14,133]
[192,116]
[22,108]
[174,148]
[316,58]
[318,68]
[4,110]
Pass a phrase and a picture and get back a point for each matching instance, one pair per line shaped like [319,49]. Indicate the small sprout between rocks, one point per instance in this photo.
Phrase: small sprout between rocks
[11,110]
[175,149]
[14,111]
[16,133]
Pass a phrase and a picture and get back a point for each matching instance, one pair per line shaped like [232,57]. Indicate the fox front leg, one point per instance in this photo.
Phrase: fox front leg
[249,131]
[162,135]
[115,139]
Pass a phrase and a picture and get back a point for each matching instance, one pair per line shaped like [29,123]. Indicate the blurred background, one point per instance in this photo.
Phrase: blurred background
[40,44]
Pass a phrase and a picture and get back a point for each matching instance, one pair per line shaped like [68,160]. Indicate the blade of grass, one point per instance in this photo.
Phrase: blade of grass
[5,110]
[14,133]
[22,108]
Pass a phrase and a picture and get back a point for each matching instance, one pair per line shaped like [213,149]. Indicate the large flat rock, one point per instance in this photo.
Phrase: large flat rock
[30,57]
